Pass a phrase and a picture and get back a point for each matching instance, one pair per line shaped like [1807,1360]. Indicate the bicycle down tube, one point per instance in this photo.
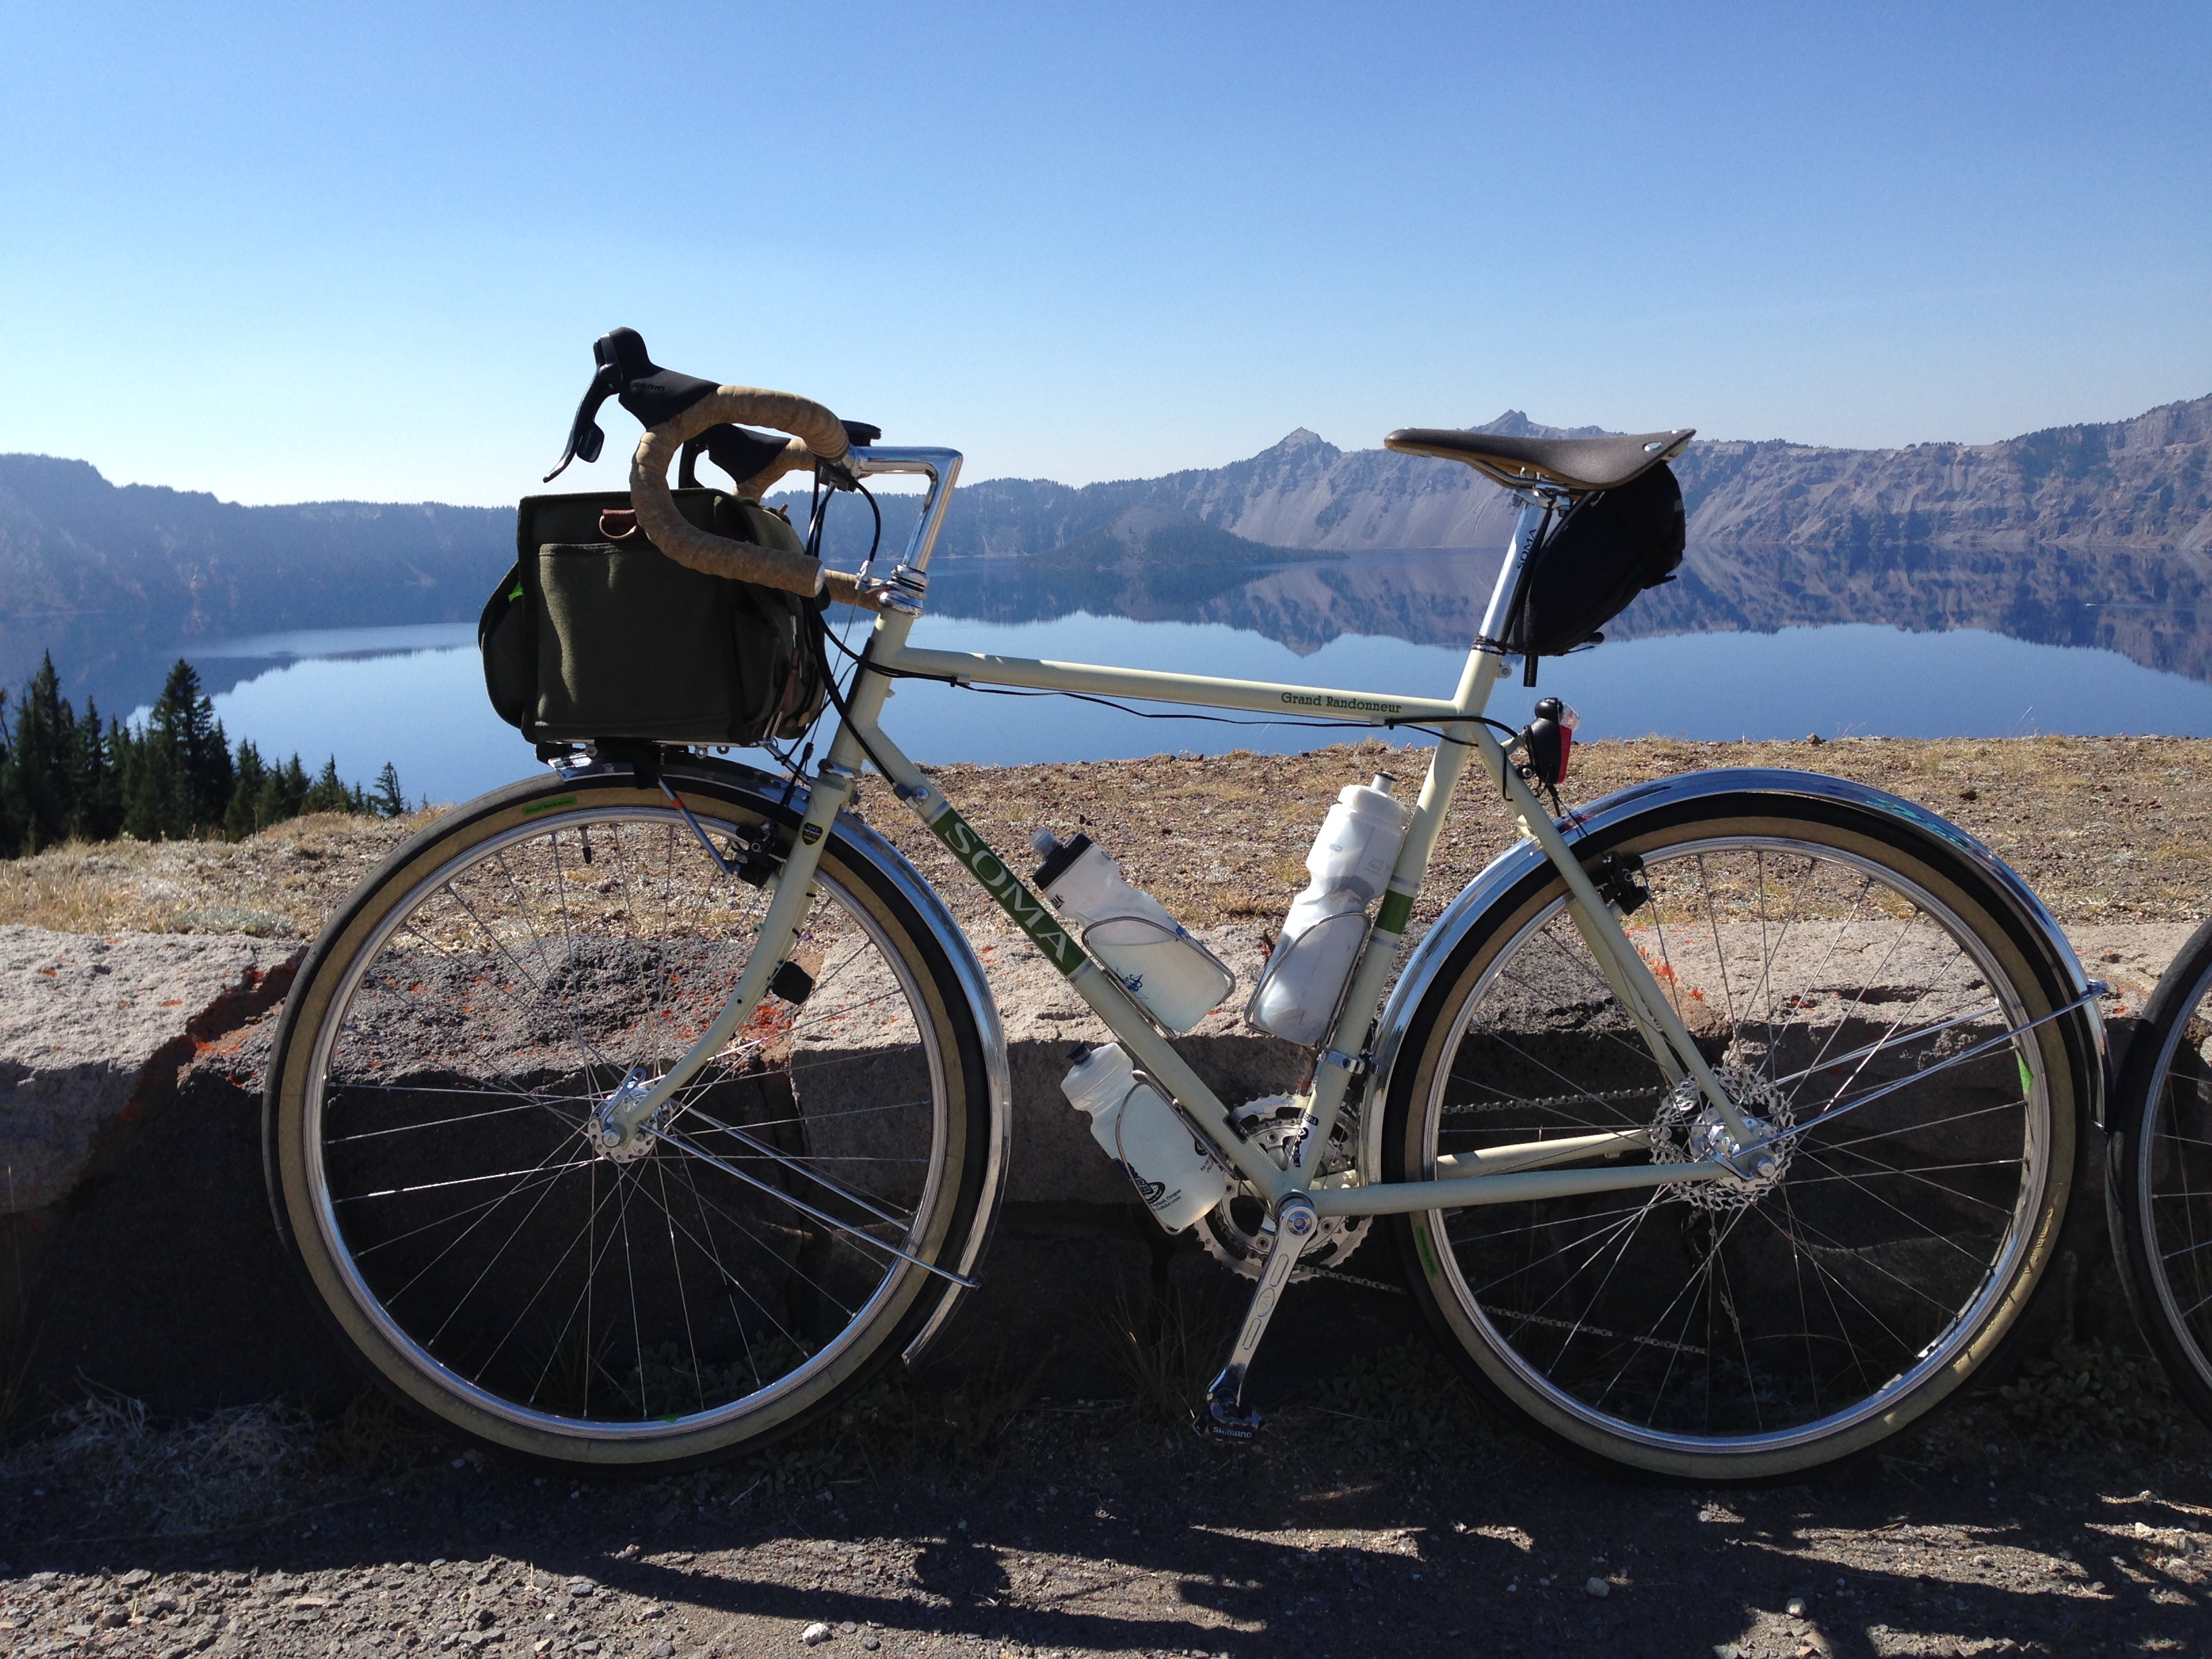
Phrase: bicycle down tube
[859,740]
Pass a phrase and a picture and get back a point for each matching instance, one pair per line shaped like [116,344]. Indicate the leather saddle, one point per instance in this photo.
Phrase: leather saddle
[1576,463]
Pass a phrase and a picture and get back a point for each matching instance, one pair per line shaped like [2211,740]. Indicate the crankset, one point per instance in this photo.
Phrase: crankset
[1237,1232]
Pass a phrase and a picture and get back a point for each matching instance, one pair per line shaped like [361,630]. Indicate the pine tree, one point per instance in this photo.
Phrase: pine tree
[328,793]
[388,800]
[292,797]
[268,800]
[11,828]
[39,769]
[97,809]
[150,791]
[183,722]
[239,818]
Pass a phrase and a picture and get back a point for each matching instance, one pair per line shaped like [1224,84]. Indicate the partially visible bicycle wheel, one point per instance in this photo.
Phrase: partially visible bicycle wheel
[438,1063]
[1859,994]
[2160,1171]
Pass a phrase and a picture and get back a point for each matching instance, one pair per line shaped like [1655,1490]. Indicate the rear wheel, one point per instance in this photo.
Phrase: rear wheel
[1746,1329]
[438,1061]
[2162,1170]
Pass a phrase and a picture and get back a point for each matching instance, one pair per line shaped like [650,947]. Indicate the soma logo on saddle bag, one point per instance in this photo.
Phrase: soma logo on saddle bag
[1606,550]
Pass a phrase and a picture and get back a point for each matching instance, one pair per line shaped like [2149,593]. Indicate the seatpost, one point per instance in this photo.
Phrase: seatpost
[1526,534]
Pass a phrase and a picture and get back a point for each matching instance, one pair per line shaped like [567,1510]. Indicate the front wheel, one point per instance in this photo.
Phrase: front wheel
[756,1255]
[2160,1171]
[1837,973]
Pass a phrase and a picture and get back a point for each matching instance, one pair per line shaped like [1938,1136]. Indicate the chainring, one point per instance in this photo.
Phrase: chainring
[1232,1231]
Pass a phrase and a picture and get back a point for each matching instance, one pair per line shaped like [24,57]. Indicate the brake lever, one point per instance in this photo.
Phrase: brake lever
[585,438]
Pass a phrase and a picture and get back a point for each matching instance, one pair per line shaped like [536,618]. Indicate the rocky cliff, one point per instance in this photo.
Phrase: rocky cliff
[2138,483]
[2094,534]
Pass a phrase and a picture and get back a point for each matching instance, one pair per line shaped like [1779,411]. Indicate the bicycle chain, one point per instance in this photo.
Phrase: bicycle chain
[1604,1097]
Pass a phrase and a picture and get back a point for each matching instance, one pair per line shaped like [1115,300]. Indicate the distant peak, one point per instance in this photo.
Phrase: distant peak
[1513,423]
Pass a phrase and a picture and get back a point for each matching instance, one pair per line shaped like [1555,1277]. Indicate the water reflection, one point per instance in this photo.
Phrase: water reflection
[1749,640]
[2151,608]
[425,709]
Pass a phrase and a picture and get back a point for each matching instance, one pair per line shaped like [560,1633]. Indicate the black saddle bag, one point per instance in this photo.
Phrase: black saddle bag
[1605,550]
[596,633]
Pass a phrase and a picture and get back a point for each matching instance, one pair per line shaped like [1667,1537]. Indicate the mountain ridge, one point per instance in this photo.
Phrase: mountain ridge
[2067,516]
[2141,483]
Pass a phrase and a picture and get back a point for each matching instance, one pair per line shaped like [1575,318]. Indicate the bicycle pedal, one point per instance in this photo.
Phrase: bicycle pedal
[1224,1421]
[1226,1417]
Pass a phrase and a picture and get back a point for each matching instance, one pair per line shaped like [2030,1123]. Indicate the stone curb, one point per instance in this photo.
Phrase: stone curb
[155,1270]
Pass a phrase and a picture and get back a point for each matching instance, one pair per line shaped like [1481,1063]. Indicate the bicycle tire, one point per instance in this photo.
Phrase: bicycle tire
[487,986]
[1750,1331]
[2159,1172]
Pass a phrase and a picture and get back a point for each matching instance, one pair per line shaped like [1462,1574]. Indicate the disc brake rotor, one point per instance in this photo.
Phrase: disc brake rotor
[1690,1129]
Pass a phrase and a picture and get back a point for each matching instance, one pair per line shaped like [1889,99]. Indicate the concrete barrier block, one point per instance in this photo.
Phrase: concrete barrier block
[92,1032]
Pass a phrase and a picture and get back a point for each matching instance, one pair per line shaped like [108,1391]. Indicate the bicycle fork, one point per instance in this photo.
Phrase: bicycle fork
[623,1116]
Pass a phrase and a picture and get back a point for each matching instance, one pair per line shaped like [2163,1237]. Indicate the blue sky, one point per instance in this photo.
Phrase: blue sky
[303,252]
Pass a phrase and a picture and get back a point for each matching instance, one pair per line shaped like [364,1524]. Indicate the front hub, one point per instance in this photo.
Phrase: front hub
[612,1134]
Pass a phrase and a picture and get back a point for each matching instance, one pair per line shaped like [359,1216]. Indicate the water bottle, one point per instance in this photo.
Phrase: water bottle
[1350,863]
[1172,1171]
[1177,980]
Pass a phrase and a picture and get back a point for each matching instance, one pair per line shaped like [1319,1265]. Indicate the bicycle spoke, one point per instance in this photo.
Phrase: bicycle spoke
[726,1256]
[1821,989]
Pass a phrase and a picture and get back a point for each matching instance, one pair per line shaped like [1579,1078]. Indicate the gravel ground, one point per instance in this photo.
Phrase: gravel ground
[2105,829]
[1380,1517]
[1378,1514]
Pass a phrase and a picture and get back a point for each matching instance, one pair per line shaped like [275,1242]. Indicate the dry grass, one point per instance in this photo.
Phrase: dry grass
[107,1456]
[1168,1347]
[280,884]
[2105,828]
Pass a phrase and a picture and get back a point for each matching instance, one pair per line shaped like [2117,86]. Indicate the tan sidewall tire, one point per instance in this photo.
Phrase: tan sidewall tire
[2136,1113]
[894,1321]
[1470,1341]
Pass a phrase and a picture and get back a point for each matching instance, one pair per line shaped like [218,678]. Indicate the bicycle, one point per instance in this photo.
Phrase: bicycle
[2159,1172]
[632,1114]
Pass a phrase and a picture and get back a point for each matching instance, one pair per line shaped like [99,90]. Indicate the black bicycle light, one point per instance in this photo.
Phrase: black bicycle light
[1549,740]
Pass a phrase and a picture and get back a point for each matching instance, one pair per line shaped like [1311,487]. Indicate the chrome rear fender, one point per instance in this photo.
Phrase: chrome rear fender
[1613,820]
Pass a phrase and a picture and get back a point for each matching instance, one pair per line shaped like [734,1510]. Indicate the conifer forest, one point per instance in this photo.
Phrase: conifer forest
[174,776]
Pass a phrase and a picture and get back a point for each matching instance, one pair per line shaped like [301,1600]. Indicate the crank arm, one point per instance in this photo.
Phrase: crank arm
[1297,1225]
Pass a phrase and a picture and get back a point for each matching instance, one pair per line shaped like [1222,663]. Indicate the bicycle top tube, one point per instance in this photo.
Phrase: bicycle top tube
[942,468]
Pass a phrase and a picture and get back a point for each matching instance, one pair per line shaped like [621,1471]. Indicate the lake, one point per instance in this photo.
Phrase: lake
[415,696]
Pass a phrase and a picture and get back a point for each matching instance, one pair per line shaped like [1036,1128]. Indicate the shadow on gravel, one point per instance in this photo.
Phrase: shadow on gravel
[1027,1499]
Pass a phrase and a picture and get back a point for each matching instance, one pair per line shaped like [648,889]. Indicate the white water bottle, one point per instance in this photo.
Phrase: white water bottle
[1178,981]
[1350,865]
[1172,1171]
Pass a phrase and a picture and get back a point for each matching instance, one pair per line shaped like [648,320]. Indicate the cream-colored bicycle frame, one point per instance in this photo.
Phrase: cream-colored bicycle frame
[1494,1176]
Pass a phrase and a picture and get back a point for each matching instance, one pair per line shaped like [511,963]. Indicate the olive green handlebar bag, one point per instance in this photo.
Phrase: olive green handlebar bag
[595,633]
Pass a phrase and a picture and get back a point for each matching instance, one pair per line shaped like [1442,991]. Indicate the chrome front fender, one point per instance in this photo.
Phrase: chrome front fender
[2034,924]
[915,888]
